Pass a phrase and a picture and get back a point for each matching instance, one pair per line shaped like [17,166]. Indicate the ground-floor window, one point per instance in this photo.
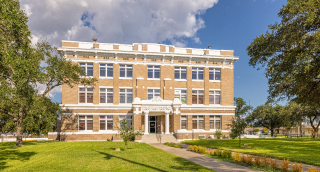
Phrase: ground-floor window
[106,122]
[197,122]
[85,123]
[128,118]
[183,122]
[215,122]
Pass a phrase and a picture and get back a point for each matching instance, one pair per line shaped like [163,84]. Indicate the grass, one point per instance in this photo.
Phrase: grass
[90,156]
[297,150]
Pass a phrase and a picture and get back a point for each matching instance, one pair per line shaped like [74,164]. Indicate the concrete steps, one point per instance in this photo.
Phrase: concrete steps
[152,138]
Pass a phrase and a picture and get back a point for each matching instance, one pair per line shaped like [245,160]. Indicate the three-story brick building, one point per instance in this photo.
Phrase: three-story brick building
[158,88]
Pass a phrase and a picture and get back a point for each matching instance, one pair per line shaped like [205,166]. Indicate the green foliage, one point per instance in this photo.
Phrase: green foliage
[218,134]
[196,148]
[219,152]
[256,130]
[108,140]
[126,132]
[226,154]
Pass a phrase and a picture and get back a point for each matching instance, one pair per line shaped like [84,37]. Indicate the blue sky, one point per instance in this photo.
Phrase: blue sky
[223,24]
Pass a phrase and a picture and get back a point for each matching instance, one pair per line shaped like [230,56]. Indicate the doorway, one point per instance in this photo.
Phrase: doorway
[153,123]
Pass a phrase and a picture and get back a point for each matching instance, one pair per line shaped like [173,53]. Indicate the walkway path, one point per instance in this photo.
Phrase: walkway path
[211,163]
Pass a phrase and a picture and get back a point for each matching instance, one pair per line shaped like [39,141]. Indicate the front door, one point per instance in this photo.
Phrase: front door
[152,124]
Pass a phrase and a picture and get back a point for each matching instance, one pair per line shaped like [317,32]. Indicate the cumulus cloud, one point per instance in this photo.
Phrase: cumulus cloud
[41,88]
[116,21]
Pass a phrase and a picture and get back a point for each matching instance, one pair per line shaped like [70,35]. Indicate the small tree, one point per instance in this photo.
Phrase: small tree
[218,134]
[237,128]
[126,132]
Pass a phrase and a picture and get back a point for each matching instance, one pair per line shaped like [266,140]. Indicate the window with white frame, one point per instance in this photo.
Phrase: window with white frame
[214,97]
[215,122]
[153,93]
[214,74]
[181,95]
[128,118]
[106,70]
[125,71]
[85,95]
[106,95]
[180,73]
[125,95]
[197,122]
[85,123]
[153,72]
[87,67]
[197,97]
[184,122]
[197,73]
[106,122]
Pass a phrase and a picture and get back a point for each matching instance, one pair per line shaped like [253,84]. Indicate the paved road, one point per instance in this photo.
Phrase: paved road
[211,163]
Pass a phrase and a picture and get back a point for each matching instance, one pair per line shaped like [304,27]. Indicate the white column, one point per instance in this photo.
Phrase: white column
[146,122]
[167,123]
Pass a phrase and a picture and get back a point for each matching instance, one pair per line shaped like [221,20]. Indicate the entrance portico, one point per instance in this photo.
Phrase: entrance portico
[155,107]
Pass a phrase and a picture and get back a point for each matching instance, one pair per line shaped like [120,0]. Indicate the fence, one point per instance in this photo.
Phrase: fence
[24,138]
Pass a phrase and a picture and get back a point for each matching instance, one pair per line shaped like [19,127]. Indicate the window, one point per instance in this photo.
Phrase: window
[197,96]
[87,67]
[183,122]
[197,122]
[214,97]
[106,95]
[153,93]
[180,73]
[154,72]
[215,122]
[214,74]
[197,73]
[106,70]
[128,118]
[106,120]
[125,95]
[85,123]
[125,71]
[85,95]
[181,95]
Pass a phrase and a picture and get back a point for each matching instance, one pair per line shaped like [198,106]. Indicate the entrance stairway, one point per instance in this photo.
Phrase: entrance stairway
[152,138]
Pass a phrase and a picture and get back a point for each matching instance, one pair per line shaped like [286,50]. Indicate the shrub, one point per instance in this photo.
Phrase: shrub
[203,150]
[227,154]
[218,152]
[313,169]
[274,163]
[211,152]
[248,159]
[285,165]
[191,148]
[243,159]
[296,167]
[177,146]
[264,161]
[257,160]
[237,157]
[196,148]
[108,140]
[218,134]
[215,153]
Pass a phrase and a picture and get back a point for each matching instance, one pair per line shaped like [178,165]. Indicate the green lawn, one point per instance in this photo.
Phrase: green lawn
[297,150]
[90,156]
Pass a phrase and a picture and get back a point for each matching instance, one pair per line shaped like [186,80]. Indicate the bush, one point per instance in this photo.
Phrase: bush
[108,140]
[248,159]
[177,146]
[297,167]
[215,152]
[196,148]
[237,157]
[227,154]
[218,134]
[218,152]
[264,161]
[243,159]
[285,165]
[191,148]
[257,160]
[274,163]
[313,169]
[172,145]
[211,152]
[202,150]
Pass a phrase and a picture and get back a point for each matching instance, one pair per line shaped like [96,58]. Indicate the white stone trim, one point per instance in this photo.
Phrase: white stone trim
[85,132]
[207,113]
[200,131]
[97,113]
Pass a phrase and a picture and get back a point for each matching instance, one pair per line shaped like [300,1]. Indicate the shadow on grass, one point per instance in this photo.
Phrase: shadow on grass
[122,149]
[187,165]
[108,156]
[9,154]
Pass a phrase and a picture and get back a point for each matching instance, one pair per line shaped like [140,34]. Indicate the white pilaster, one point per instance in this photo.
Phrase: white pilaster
[146,122]
[167,123]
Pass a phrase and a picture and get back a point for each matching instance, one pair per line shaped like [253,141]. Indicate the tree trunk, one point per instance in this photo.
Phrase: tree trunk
[125,146]
[19,128]
[272,132]
[239,141]
[301,129]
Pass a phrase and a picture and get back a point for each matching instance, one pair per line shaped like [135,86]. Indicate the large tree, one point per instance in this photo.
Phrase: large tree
[21,71]
[290,52]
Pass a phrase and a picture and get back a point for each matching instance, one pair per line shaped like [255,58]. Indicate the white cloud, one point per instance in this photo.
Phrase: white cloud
[116,21]
[41,88]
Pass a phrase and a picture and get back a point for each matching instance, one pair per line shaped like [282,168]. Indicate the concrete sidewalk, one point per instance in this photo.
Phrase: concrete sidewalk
[211,163]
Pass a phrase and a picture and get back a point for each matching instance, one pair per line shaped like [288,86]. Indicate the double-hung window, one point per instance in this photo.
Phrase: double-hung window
[197,97]
[180,73]
[106,122]
[197,74]
[128,118]
[183,122]
[181,95]
[214,74]
[106,95]
[197,122]
[153,93]
[214,97]
[85,95]
[87,67]
[106,70]
[153,72]
[125,71]
[125,95]
[215,122]
[85,123]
